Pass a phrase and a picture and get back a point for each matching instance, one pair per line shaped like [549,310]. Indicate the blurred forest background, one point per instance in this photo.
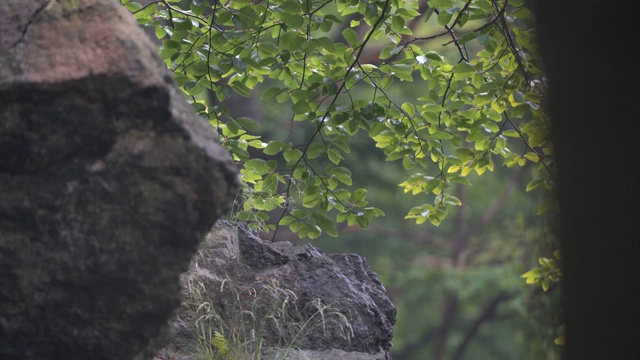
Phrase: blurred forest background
[457,287]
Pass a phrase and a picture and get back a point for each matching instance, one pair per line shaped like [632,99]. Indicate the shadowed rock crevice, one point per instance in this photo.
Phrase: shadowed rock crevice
[108,181]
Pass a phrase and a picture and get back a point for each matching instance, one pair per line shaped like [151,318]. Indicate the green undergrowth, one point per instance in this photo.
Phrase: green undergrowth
[254,319]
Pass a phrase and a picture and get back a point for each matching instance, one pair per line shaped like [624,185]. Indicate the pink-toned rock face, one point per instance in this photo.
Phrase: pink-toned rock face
[73,39]
[12,28]
[108,181]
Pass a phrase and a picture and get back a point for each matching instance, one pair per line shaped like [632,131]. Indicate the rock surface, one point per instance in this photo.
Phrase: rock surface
[108,181]
[292,297]
[334,354]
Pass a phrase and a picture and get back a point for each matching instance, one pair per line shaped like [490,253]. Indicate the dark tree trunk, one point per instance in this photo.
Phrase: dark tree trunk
[588,50]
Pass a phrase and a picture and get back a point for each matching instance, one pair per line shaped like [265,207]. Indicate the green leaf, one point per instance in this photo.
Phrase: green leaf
[197,7]
[257,166]
[499,106]
[397,23]
[301,107]
[432,185]
[440,3]
[270,183]
[274,147]
[359,196]
[483,39]
[409,109]
[133,6]
[468,37]
[433,56]
[334,155]
[315,150]
[160,32]
[402,71]
[342,217]
[532,276]
[463,68]
[343,175]
[533,157]
[312,196]
[389,51]
[465,154]
[241,88]
[325,224]
[287,220]
[477,80]
[534,183]
[291,40]
[545,284]
[292,20]
[271,92]
[408,162]
[459,179]
[511,133]
[452,200]
[372,10]
[444,18]
[441,135]
[363,220]
[292,155]
[350,36]
[247,123]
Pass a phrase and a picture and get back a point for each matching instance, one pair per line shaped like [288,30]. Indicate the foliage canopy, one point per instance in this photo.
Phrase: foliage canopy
[335,65]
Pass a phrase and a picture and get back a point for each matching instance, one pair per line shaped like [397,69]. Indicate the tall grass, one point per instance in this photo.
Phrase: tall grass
[235,321]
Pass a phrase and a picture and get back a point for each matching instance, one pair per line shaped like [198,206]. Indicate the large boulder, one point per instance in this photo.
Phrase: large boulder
[281,300]
[108,181]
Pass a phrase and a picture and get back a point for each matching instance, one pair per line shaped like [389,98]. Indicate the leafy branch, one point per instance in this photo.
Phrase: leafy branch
[477,98]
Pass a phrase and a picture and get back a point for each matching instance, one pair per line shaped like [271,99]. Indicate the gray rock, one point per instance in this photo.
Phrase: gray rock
[108,180]
[280,296]
[334,354]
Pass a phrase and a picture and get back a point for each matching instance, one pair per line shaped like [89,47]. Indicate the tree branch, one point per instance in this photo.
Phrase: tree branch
[449,311]
[487,314]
